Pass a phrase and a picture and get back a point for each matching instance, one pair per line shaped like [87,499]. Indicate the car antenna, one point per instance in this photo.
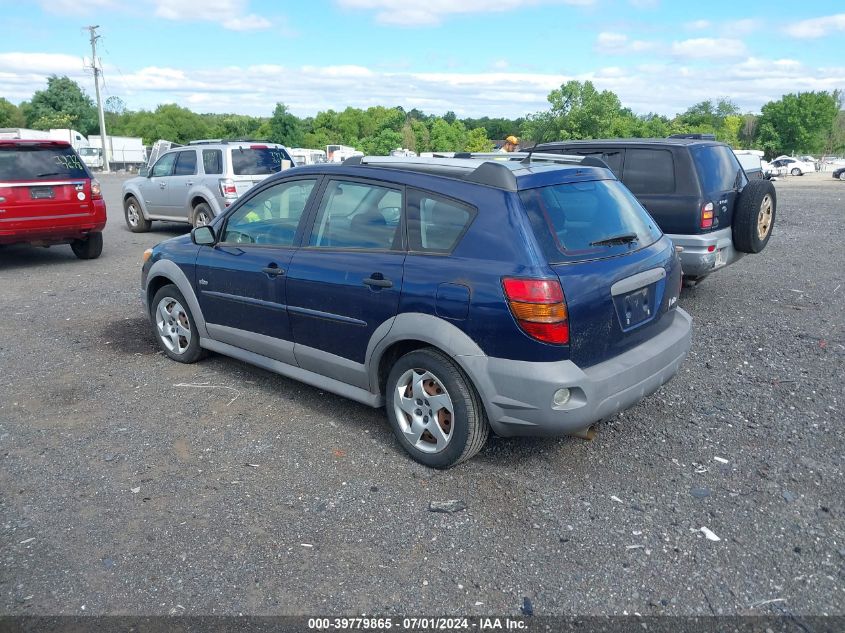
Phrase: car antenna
[527,159]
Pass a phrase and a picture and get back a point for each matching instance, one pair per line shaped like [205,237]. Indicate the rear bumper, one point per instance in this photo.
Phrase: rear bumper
[56,229]
[518,395]
[703,254]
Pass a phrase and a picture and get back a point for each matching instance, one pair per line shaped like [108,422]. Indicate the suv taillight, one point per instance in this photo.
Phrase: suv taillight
[228,189]
[538,305]
[96,192]
[707,216]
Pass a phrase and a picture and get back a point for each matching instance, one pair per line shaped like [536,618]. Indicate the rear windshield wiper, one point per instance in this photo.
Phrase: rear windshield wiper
[625,238]
[51,173]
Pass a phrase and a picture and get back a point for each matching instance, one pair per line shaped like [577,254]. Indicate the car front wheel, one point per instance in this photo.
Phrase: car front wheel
[796,172]
[202,215]
[135,219]
[434,409]
[174,325]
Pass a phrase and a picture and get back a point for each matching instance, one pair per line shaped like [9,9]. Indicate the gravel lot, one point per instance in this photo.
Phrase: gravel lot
[124,491]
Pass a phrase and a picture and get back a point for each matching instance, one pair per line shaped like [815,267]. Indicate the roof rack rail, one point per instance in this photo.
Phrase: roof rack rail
[697,136]
[529,157]
[224,141]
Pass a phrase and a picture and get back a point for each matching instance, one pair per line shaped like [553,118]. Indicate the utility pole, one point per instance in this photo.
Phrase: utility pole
[94,38]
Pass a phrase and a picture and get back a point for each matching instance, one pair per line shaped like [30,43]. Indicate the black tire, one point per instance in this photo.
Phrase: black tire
[842,176]
[468,428]
[89,248]
[754,216]
[191,352]
[134,216]
[796,172]
[202,215]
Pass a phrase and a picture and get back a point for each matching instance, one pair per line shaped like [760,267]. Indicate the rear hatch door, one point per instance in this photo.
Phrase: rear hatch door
[620,276]
[42,183]
[721,177]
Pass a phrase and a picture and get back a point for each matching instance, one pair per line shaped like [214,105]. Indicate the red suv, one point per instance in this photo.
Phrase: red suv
[47,196]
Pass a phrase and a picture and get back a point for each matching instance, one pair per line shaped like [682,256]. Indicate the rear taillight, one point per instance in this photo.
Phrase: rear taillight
[96,192]
[707,216]
[227,188]
[538,305]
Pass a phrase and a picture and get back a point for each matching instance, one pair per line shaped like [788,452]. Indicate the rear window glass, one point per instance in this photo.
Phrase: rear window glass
[572,220]
[649,171]
[39,162]
[717,167]
[258,161]
[435,223]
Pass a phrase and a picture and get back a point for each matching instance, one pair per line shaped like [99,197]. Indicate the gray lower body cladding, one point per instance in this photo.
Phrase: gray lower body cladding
[519,395]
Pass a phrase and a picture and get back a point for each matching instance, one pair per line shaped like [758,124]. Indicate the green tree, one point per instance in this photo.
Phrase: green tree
[10,114]
[446,137]
[477,141]
[63,97]
[577,111]
[798,123]
[284,127]
[382,143]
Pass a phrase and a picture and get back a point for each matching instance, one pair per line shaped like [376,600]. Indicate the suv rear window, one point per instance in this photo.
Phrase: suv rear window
[258,161]
[570,219]
[40,162]
[717,167]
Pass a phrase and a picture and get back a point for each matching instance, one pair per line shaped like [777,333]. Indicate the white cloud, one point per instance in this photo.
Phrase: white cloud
[731,28]
[665,87]
[230,14]
[698,25]
[817,27]
[431,12]
[645,4]
[619,44]
[75,7]
[709,48]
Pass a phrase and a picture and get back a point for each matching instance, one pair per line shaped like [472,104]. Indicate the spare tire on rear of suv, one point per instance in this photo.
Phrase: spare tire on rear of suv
[754,216]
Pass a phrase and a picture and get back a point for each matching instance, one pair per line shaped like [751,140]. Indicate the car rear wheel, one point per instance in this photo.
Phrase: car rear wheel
[202,215]
[754,216]
[135,219]
[89,248]
[842,176]
[174,326]
[795,171]
[434,409]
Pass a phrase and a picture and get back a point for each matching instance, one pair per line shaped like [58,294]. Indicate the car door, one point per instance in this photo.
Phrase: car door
[241,279]
[183,178]
[345,280]
[154,190]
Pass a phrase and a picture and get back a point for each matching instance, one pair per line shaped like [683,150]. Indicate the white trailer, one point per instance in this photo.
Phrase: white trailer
[339,153]
[305,156]
[24,133]
[76,139]
[125,152]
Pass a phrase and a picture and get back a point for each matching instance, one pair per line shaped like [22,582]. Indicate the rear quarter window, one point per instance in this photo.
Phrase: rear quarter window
[40,162]
[649,171]
[435,223]
[570,219]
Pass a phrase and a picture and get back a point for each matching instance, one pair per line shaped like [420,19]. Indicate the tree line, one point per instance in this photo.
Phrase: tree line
[802,123]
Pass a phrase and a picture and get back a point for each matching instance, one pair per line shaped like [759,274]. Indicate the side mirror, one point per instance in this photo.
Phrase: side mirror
[203,236]
[144,171]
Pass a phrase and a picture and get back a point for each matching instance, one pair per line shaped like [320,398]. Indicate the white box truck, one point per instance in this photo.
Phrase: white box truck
[125,152]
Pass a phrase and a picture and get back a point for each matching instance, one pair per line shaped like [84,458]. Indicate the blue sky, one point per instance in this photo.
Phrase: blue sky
[475,57]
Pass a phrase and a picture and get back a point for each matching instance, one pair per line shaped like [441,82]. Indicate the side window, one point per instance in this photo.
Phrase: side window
[164,165]
[271,216]
[613,158]
[435,223]
[357,215]
[186,163]
[649,171]
[212,161]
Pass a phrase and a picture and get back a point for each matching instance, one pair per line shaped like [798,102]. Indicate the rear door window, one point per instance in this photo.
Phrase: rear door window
[358,215]
[649,171]
[588,220]
[258,160]
[40,162]
[613,157]
[435,223]
[186,164]
[717,168]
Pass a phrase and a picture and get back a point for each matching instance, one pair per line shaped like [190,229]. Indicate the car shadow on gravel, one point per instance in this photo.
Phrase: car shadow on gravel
[133,336]
[24,256]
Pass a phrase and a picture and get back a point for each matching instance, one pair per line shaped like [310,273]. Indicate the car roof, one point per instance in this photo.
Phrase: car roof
[509,172]
[680,142]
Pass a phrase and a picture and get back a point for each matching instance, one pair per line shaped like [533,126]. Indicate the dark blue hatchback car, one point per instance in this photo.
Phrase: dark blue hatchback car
[528,297]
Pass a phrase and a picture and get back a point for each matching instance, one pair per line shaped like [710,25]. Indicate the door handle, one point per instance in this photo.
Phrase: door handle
[378,281]
[161,185]
[188,184]
[273,270]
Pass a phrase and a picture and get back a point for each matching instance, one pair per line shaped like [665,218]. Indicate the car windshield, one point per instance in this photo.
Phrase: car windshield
[588,220]
[257,161]
[39,162]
